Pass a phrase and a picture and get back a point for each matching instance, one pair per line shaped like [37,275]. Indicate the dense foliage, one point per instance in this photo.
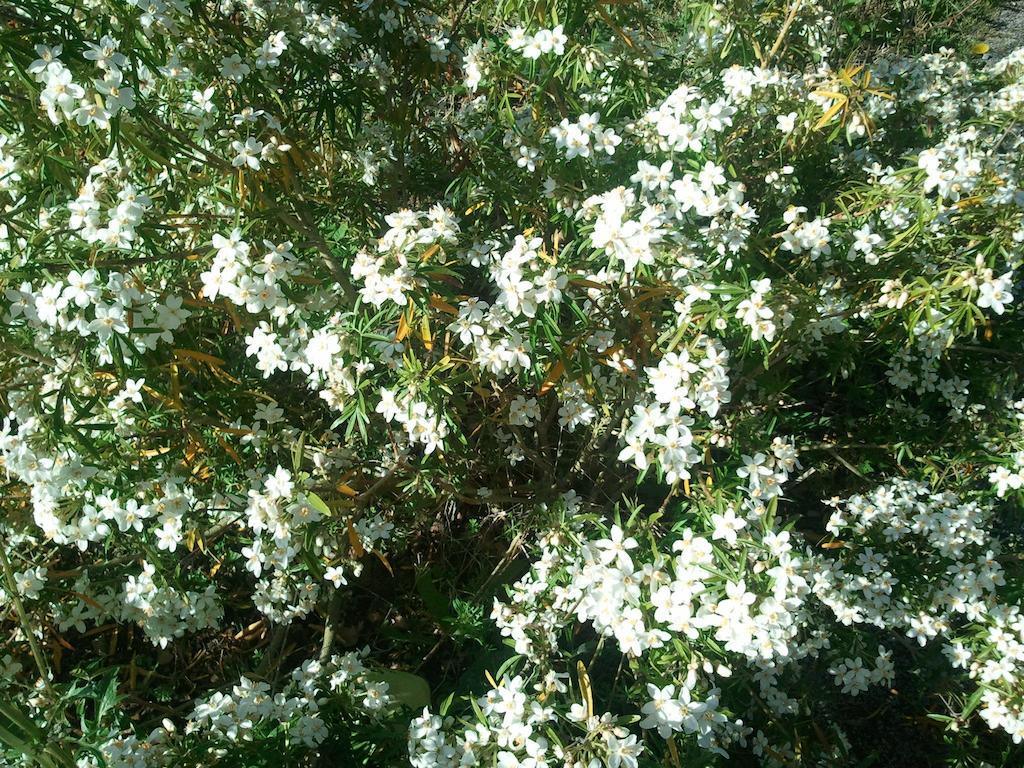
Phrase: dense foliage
[517,384]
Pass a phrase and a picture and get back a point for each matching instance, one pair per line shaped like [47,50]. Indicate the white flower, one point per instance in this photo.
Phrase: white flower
[616,548]
[279,485]
[30,581]
[254,558]
[247,154]
[108,321]
[336,575]
[786,123]
[323,349]
[81,288]
[376,695]
[727,525]
[622,752]
[994,294]
[233,68]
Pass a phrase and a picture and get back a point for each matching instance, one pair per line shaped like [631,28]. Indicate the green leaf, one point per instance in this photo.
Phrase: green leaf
[972,703]
[297,451]
[436,603]
[319,504]
[411,690]
[108,700]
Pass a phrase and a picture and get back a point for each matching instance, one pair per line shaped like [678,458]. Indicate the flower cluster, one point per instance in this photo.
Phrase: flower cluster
[428,328]
[541,42]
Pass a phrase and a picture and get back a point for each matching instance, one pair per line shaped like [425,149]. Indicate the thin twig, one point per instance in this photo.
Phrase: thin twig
[26,353]
[19,608]
[337,598]
[790,18]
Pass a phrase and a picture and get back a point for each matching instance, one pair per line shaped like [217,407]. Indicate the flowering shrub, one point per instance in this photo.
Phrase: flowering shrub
[517,385]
